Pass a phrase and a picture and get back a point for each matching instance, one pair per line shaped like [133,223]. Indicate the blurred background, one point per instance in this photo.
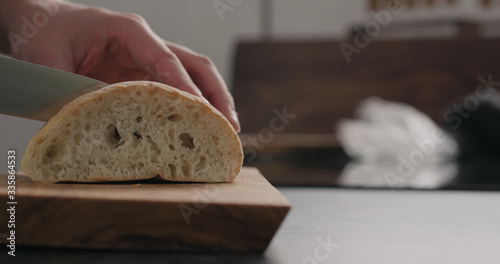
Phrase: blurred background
[296,68]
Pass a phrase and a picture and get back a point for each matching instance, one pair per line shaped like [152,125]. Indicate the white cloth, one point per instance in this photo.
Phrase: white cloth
[395,145]
[384,131]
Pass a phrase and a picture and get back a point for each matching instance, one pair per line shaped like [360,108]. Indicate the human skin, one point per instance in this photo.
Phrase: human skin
[108,46]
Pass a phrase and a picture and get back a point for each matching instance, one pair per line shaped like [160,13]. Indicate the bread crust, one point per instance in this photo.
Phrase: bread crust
[68,111]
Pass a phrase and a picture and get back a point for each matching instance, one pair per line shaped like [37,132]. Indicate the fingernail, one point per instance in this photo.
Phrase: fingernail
[236,122]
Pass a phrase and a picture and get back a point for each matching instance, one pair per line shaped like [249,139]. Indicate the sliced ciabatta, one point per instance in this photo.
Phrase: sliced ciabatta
[131,131]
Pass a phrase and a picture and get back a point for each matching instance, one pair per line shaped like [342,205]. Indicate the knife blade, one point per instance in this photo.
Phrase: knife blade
[37,92]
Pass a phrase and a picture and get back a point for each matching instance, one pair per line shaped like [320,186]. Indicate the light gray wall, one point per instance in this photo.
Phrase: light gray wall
[196,24]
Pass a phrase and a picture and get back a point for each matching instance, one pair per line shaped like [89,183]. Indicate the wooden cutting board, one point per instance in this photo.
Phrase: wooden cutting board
[241,216]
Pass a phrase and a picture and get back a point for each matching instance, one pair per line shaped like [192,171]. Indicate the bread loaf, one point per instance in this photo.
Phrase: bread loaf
[132,131]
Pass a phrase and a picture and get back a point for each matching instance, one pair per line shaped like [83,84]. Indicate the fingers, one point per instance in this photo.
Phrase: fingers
[176,66]
[205,75]
[151,54]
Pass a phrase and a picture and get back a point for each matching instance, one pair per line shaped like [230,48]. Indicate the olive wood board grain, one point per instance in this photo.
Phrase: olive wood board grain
[241,216]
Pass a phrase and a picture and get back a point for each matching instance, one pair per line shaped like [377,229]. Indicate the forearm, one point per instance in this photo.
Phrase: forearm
[6,7]
[15,13]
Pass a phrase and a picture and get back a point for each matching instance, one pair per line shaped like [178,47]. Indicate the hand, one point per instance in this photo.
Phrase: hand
[112,47]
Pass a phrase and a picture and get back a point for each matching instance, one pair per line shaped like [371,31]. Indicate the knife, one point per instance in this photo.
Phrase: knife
[37,92]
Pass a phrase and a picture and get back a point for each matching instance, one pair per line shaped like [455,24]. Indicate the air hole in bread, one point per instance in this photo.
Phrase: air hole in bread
[187,140]
[202,163]
[154,158]
[154,145]
[113,136]
[171,133]
[186,168]
[138,119]
[158,108]
[163,121]
[174,118]
[173,169]
[137,135]
[49,154]
[87,127]
[171,147]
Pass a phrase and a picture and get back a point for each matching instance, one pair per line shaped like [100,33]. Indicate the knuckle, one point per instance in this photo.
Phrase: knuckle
[134,18]
[205,60]
[95,10]
[170,56]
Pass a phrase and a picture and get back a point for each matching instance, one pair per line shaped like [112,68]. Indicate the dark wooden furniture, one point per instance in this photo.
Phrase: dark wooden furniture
[315,82]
